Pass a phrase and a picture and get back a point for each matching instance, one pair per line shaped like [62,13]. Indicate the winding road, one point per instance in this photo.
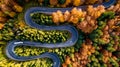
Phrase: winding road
[70,42]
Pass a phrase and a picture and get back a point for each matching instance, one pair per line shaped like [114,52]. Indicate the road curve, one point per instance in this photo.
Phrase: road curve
[70,42]
[10,54]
